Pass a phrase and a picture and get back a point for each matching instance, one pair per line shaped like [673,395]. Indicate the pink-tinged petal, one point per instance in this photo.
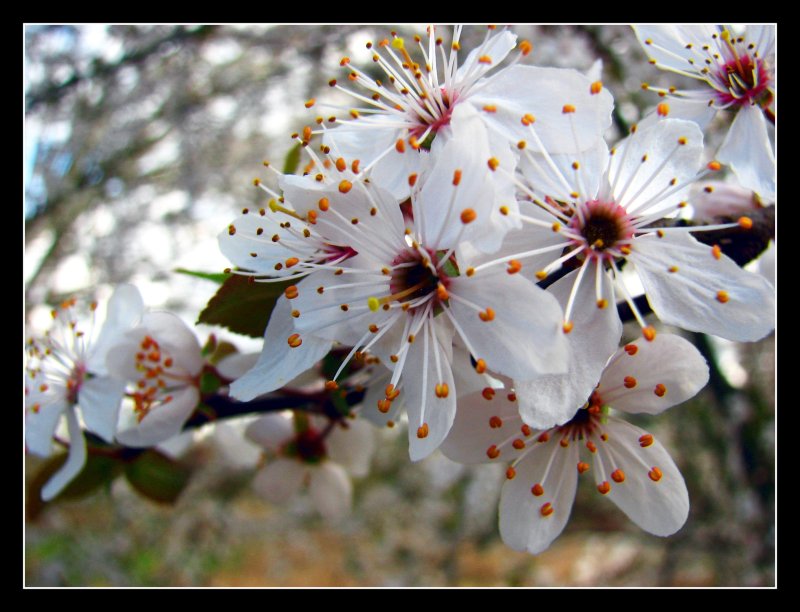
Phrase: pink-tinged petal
[484,420]
[487,56]
[649,487]
[100,399]
[331,490]
[75,460]
[163,421]
[651,376]
[552,399]
[43,412]
[749,153]
[543,93]
[532,516]
[125,309]
[249,243]
[271,431]
[279,362]
[648,162]
[280,480]
[430,415]
[689,287]
[352,445]
[440,203]
[521,337]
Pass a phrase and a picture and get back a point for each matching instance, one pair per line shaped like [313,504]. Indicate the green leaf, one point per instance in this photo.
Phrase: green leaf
[98,471]
[218,278]
[157,477]
[243,306]
[292,160]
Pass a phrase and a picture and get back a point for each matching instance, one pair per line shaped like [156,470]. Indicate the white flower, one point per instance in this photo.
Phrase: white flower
[605,211]
[418,99]
[739,71]
[404,297]
[629,465]
[160,360]
[314,452]
[67,371]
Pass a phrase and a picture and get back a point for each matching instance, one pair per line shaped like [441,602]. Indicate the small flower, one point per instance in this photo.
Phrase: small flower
[415,104]
[739,71]
[314,452]
[628,464]
[596,212]
[160,360]
[67,372]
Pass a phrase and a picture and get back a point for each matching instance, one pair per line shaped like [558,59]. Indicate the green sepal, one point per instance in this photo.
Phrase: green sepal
[157,477]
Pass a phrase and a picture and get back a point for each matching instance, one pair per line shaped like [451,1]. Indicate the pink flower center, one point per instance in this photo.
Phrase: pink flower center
[415,279]
[745,80]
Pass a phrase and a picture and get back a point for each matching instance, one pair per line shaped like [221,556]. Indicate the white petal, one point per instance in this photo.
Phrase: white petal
[658,506]
[543,92]
[748,151]
[439,205]
[417,386]
[41,424]
[481,423]
[693,107]
[522,524]
[163,421]
[280,480]
[665,371]
[496,48]
[668,44]
[376,392]
[646,163]
[279,363]
[353,446]
[331,490]
[100,399]
[124,311]
[271,431]
[175,338]
[246,241]
[75,460]
[689,298]
[552,399]
[236,365]
[525,338]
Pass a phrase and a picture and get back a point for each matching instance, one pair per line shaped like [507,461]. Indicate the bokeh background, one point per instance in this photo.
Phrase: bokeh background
[141,145]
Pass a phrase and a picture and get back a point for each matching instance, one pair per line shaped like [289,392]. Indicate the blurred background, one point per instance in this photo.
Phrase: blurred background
[141,143]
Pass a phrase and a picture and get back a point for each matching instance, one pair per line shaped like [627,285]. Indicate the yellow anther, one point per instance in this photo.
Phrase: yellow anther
[672,269]
[541,275]
[373,303]
[398,43]
[555,227]
[625,250]
[575,165]
[231,230]
[441,292]
[504,210]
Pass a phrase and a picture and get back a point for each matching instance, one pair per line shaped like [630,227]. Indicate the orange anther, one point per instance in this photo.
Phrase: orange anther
[645,440]
[391,392]
[486,315]
[525,47]
[470,271]
[341,165]
[384,405]
[345,186]
[567,327]
[722,297]
[618,476]
[604,487]
[495,422]
[543,437]
[306,133]
[655,474]
[412,179]
[514,266]
[582,467]
[537,490]
[716,251]
[422,431]
[649,333]
[480,366]
[493,163]
[591,446]
[291,292]
[488,393]
[602,303]
[526,430]
[484,59]
[400,146]
[331,385]
[541,275]
[714,166]
[510,473]
[292,261]
[310,103]
[596,87]
[663,109]
[493,452]
[629,382]
[568,108]
[441,292]
[519,444]
[546,509]
[660,390]
[295,340]
[468,215]
[745,222]
[442,390]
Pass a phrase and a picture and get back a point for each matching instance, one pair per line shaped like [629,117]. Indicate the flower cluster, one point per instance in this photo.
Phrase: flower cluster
[459,253]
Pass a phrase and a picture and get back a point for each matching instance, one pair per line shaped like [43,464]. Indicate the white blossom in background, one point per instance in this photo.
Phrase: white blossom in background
[67,376]
[313,452]
[629,465]
[738,74]
[160,362]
